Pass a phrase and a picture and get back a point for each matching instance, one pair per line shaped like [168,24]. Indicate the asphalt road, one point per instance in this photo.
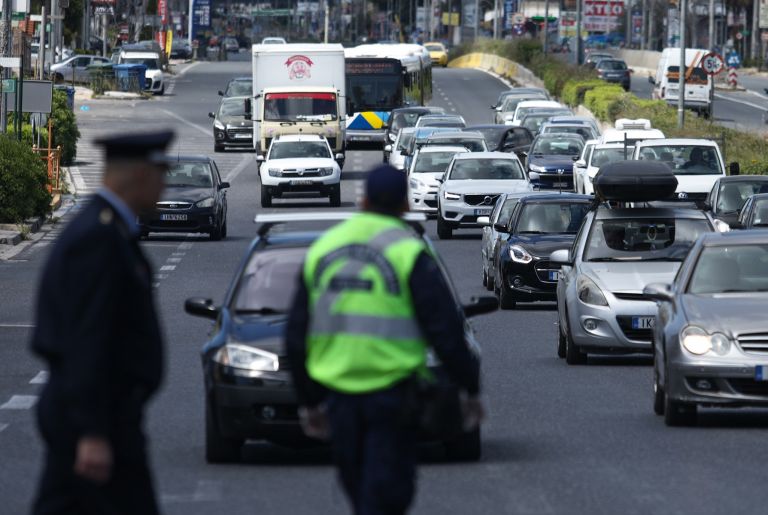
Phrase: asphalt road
[558,439]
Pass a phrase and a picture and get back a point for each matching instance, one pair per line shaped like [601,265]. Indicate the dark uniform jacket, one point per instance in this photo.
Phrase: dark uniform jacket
[97,330]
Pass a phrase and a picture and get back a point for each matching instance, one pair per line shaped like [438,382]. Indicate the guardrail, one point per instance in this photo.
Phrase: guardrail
[498,65]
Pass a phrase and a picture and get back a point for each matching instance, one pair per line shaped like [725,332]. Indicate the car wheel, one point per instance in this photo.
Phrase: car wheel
[465,447]
[444,231]
[335,196]
[218,148]
[224,229]
[658,393]
[678,413]
[215,234]
[505,297]
[266,198]
[560,341]
[217,448]
[573,354]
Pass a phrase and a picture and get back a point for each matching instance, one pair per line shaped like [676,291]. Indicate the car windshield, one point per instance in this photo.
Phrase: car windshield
[603,156]
[189,175]
[434,48]
[733,195]
[559,146]
[611,64]
[269,281]
[643,239]
[582,131]
[522,112]
[234,107]
[151,64]
[471,144]
[240,88]
[731,269]
[402,120]
[685,159]
[404,140]
[532,122]
[300,107]
[294,149]
[551,218]
[510,102]
[432,162]
[486,169]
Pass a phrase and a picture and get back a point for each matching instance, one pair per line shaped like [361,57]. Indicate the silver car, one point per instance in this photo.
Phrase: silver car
[393,154]
[600,302]
[711,342]
[471,186]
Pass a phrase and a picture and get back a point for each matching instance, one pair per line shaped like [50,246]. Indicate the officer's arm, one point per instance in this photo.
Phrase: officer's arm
[441,324]
[307,391]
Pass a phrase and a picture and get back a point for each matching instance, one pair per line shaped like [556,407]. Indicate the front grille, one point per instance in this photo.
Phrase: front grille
[478,200]
[629,296]
[642,335]
[549,180]
[239,130]
[543,268]
[431,203]
[300,173]
[174,206]
[756,343]
[749,386]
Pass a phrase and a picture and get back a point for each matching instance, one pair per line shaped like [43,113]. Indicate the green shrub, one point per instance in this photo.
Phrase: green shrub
[604,102]
[65,131]
[23,182]
[573,90]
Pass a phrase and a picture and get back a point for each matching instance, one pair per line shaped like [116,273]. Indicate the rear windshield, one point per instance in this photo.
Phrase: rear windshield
[189,175]
[486,169]
[471,144]
[432,162]
[611,65]
[402,120]
[551,218]
[695,76]
[603,156]
[548,146]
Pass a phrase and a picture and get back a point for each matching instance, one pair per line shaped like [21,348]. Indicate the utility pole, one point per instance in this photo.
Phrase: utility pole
[578,31]
[628,23]
[495,19]
[7,50]
[681,70]
[546,26]
[755,28]
[643,32]
[325,24]
[477,17]
[711,15]
[41,51]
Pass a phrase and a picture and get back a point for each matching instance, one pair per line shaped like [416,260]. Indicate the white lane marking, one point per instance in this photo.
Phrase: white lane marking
[205,491]
[185,246]
[2,427]
[40,378]
[20,402]
[168,268]
[238,169]
[17,326]
[160,277]
[185,70]
[737,101]
[77,178]
[173,260]
[181,254]
[207,132]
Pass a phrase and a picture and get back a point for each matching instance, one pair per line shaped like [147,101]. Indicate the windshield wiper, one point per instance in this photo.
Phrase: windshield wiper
[260,311]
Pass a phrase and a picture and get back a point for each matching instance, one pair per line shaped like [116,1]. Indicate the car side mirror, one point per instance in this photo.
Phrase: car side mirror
[387,148]
[440,180]
[500,228]
[405,152]
[561,257]
[734,168]
[339,157]
[200,307]
[483,220]
[247,105]
[524,154]
[221,93]
[493,107]
[658,291]
[580,163]
[211,115]
[631,70]
[736,224]
[480,306]
[260,158]
[224,185]
[575,158]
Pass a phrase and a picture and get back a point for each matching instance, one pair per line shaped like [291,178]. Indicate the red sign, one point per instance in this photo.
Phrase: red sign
[162,10]
[312,96]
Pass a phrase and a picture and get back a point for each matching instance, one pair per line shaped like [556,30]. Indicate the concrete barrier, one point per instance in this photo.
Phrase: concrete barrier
[498,65]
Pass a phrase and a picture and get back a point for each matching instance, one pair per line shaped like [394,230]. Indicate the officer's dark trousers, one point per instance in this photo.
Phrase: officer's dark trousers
[374,450]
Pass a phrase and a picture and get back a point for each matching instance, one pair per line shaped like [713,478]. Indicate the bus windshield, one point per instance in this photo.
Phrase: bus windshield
[375,91]
[300,107]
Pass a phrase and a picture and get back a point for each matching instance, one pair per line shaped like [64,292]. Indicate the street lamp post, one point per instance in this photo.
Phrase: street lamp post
[681,70]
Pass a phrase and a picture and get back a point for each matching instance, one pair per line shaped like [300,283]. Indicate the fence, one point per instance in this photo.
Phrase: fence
[52,158]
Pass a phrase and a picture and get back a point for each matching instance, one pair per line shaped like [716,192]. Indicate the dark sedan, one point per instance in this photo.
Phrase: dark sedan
[754,214]
[238,87]
[539,225]
[552,157]
[248,385]
[615,71]
[194,200]
[729,194]
[505,138]
[230,126]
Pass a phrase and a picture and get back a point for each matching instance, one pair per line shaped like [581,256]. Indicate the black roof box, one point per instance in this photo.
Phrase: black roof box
[634,181]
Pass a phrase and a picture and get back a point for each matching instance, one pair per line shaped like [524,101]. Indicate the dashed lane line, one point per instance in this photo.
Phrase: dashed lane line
[17,326]
[40,378]
[168,268]
[238,169]
[186,122]
[19,402]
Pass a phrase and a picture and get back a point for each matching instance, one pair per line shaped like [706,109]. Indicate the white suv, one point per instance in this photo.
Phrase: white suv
[300,163]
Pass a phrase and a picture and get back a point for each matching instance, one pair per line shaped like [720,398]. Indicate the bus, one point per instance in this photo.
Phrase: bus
[380,78]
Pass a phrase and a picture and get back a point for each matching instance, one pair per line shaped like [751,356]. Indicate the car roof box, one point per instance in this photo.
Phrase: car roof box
[634,181]
[625,124]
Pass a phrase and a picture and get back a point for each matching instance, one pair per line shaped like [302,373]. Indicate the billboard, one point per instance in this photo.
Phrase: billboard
[602,16]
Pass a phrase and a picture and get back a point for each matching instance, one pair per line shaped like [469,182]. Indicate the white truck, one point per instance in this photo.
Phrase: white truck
[699,87]
[298,89]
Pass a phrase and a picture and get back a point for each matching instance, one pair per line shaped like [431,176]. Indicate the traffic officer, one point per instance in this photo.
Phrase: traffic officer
[370,300]
[98,332]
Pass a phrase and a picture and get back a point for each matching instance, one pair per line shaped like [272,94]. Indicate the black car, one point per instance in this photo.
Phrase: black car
[754,214]
[231,127]
[194,200]
[505,138]
[238,87]
[615,71]
[406,117]
[552,157]
[729,194]
[248,386]
[540,224]
[180,49]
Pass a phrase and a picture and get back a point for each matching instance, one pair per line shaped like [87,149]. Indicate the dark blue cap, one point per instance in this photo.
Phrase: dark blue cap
[387,188]
[145,145]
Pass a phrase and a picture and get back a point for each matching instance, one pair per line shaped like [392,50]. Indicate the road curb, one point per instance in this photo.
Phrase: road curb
[13,234]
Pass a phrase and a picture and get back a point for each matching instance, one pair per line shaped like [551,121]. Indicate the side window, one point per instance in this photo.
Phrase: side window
[524,137]
[216,172]
[744,214]
[577,240]
[513,217]
[495,212]
[506,211]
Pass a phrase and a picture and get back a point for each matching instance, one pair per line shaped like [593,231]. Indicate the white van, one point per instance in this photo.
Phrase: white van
[699,87]
[154,79]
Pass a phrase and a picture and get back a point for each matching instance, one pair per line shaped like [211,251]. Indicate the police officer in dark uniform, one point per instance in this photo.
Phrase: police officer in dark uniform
[98,332]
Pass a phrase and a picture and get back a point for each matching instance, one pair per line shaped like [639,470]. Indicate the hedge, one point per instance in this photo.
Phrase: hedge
[65,131]
[23,182]
[604,101]
[574,90]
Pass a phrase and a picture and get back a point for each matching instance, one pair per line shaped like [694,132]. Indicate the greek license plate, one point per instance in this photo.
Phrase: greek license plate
[173,218]
[243,136]
[301,183]
[553,275]
[761,373]
[560,184]
[482,212]
[361,138]
[643,322]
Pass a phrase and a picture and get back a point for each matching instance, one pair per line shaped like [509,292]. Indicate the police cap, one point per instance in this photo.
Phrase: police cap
[149,146]
[387,188]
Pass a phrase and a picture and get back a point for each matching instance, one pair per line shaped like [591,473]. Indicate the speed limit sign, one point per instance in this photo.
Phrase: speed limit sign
[712,63]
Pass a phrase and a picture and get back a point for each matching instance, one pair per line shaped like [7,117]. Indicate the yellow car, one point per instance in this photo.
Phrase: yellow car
[437,53]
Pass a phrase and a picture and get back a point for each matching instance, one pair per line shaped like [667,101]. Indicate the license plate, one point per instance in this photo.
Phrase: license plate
[361,138]
[553,275]
[560,184]
[761,373]
[482,212]
[173,218]
[643,322]
[301,183]
[243,136]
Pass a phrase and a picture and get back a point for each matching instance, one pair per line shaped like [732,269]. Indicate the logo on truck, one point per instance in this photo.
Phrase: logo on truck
[299,67]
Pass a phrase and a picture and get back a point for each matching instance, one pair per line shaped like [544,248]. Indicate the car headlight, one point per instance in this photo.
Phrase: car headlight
[326,171]
[589,292]
[219,125]
[519,254]
[247,358]
[536,168]
[451,196]
[697,341]
[416,184]
[275,172]
[206,202]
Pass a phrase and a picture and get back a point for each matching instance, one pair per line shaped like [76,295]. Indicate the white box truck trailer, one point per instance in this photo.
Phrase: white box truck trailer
[699,86]
[298,89]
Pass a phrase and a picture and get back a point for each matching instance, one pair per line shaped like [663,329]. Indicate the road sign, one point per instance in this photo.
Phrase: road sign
[9,85]
[518,18]
[10,62]
[712,63]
